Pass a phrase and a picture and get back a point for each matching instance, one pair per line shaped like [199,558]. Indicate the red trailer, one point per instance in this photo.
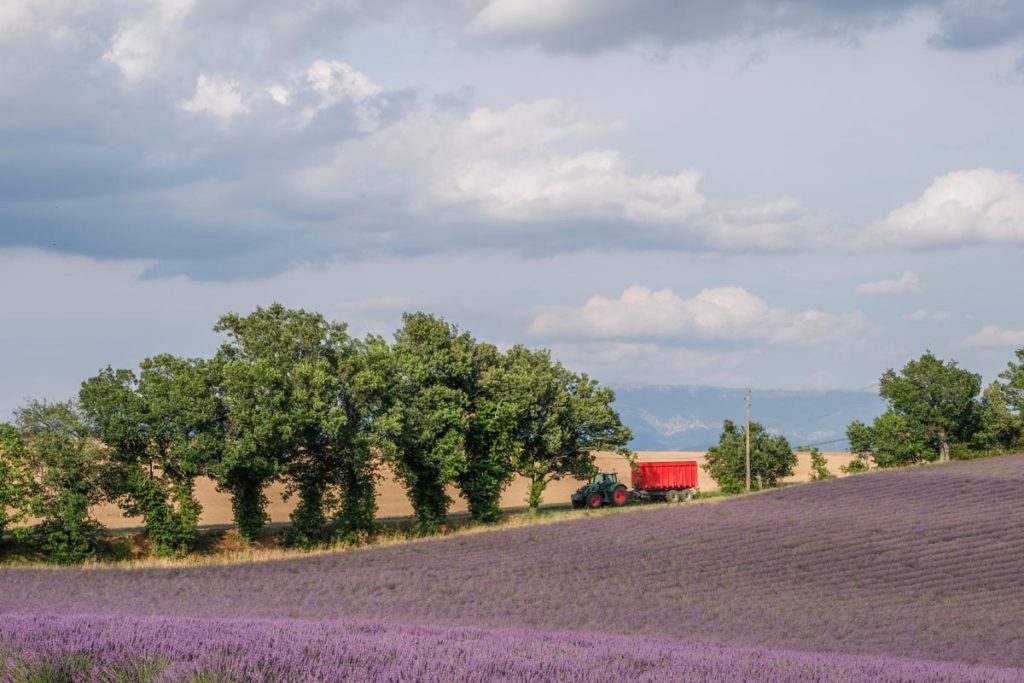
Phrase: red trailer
[672,481]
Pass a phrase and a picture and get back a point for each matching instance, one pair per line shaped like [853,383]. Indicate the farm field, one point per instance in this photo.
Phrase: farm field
[907,575]
[392,500]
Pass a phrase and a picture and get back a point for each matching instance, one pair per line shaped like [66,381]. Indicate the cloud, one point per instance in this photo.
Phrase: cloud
[589,25]
[583,26]
[922,315]
[721,313]
[904,284]
[995,336]
[216,97]
[979,24]
[226,163]
[526,176]
[965,207]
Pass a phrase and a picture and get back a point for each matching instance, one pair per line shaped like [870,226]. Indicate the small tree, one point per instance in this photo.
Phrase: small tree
[891,441]
[771,458]
[819,466]
[1002,408]
[66,467]
[935,401]
[553,420]
[163,429]
[15,486]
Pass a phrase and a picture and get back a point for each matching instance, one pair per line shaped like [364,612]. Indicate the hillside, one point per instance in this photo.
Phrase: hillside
[922,563]
[690,417]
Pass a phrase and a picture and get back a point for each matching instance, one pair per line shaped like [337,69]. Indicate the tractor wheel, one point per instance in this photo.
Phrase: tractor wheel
[619,496]
[594,501]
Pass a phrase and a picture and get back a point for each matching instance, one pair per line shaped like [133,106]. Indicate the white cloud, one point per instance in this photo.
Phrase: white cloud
[730,313]
[529,164]
[922,315]
[965,207]
[139,46]
[904,284]
[993,335]
[508,18]
[217,97]
[336,81]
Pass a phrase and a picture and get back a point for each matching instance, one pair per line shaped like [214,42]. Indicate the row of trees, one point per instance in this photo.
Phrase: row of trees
[937,410]
[293,397]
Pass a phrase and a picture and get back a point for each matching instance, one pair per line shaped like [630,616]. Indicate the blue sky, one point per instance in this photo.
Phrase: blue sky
[746,193]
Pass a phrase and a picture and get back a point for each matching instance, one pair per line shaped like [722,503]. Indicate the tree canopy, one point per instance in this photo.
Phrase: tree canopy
[163,429]
[931,405]
[771,458]
[553,420]
[67,468]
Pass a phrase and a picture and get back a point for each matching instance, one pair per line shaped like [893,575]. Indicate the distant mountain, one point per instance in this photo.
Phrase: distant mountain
[690,417]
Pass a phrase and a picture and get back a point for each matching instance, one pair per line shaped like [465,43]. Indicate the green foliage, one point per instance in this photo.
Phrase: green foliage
[771,458]
[891,441]
[67,469]
[551,421]
[490,443]
[299,397]
[857,465]
[423,430]
[1002,410]
[15,485]
[936,403]
[819,466]
[163,429]
[291,396]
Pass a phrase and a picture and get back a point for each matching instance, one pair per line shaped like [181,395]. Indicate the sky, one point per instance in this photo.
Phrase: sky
[787,194]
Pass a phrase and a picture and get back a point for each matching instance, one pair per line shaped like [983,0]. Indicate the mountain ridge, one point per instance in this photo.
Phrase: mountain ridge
[690,417]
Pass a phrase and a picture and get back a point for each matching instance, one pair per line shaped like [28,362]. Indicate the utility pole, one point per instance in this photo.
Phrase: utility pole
[747,432]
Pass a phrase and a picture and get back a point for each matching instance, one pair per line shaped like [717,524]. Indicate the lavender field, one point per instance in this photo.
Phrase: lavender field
[910,575]
[163,648]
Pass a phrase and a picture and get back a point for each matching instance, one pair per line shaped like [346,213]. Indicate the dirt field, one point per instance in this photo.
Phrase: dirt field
[392,501]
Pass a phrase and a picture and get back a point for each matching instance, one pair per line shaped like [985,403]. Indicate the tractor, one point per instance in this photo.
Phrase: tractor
[604,489]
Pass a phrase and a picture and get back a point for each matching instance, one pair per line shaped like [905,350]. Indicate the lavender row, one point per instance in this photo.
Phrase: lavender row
[161,649]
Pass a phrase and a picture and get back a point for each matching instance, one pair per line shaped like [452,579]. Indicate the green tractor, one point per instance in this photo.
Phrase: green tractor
[603,489]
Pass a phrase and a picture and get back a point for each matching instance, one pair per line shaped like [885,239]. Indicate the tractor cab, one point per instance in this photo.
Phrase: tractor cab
[602,489]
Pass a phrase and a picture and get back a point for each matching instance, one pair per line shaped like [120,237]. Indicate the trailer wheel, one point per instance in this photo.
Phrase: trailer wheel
[672,496]
[619,496]
[688,495]
[594,501]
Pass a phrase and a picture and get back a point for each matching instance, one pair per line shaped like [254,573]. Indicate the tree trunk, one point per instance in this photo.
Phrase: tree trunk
[537,486]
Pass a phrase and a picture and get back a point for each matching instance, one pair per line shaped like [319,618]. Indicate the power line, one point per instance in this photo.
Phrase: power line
[823,443]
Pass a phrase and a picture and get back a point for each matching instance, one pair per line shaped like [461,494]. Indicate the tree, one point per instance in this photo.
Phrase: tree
[771,458]
[819,466]
[936,400]
[1002,408]
[552,420]
[66,466]
[15,486]
[424,428]
[891,441]
[489,440]
[163,428]
[286,379]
